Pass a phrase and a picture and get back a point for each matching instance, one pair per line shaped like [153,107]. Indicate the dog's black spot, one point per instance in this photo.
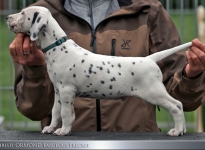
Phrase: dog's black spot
[96,91]
[35,15]
[54,35]
[103,82]
[61,49]
[73,65]
[74,75]
[101,68]
[70,69]
[108,71]
[85,54]
[34,35]
[179,107]
[90,70]
[66,51]
[132,73]
[103,63]
[108,62]
[44,34]
[113,79]
[59,101]
[140,61]
[61,82]
[83,61]
[39,19]
[119,74]
[84,71]
[87,76]
[103,95]
[133,63]
[110,87]
[119,65]
[23,13]
[75,44]
[112,65]
[110,93]
[67,102]
[53,60]
[29,19]
[91,84]
[132,89]
[54,49]
[88,86]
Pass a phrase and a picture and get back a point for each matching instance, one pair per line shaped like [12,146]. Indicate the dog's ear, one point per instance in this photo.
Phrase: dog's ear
[38,23]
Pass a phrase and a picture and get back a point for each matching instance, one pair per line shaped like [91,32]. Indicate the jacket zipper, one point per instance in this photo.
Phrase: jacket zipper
[93,45]
[113,47]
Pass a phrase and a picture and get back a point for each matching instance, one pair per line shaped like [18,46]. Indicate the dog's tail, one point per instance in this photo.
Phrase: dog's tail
[162,54]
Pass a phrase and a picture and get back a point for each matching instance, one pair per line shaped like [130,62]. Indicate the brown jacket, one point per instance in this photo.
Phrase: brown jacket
[138,30]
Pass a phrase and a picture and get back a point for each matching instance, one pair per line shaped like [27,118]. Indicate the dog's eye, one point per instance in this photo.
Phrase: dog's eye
[22,13]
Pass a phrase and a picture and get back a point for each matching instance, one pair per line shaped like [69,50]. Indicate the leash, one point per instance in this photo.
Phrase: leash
[57,43]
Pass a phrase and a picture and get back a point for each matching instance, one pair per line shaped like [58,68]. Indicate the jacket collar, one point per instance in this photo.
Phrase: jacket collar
[127,8]
[114,6]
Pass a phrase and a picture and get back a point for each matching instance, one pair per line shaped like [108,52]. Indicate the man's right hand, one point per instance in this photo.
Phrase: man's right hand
[24,51]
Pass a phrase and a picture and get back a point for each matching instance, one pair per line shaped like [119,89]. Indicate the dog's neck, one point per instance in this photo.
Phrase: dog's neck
[51,33]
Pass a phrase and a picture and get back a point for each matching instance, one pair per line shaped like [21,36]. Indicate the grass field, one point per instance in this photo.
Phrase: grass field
[7,99]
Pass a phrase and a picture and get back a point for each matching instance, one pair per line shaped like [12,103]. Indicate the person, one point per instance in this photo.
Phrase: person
[119,28]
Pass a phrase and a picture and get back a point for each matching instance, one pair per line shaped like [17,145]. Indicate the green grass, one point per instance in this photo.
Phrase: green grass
[8,107]
[7,75]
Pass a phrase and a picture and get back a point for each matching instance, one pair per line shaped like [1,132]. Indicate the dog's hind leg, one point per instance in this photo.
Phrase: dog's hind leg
[159,96]
[67,96]
[56,118]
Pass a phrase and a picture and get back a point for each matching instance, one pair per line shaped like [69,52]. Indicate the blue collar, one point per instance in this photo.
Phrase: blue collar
[57,43]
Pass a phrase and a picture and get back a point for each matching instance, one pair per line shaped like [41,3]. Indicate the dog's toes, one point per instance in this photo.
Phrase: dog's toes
[57,132]
[175,132]
[61,132]
[48,130]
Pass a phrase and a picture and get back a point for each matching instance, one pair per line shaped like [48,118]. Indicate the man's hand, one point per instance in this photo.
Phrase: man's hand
[24,52]
[196,59]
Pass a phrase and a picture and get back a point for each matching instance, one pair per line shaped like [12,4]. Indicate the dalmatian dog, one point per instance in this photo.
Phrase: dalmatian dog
[74,71]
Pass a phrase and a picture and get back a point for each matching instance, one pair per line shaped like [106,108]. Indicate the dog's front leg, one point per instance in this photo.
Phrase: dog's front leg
[56,117]
[67,96]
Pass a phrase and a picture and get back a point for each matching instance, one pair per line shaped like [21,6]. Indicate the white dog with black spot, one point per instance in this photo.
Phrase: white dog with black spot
[74,71]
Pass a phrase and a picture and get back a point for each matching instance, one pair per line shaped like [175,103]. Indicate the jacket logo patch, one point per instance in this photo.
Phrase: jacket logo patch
[125,45]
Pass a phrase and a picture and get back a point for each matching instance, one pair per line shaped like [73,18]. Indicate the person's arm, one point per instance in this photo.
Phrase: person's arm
[33,88]
[163,35]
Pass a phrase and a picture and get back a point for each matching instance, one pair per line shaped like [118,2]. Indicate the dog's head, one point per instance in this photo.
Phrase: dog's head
[30,20]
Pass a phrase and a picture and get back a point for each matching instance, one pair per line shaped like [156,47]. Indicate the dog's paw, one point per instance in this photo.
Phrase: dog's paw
[48,129]
[62,132]
[175,132]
